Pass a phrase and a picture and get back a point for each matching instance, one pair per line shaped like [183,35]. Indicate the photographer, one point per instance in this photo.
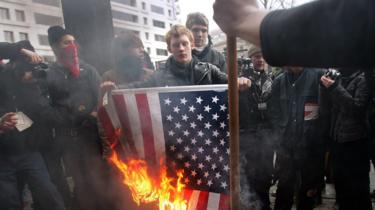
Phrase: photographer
[19,49]
[256,136]
[25,113]
[349,100]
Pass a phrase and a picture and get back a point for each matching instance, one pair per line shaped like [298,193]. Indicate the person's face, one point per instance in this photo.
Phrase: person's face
[66,40]
[136,52]
[200,33]
[180,47]
[258,61]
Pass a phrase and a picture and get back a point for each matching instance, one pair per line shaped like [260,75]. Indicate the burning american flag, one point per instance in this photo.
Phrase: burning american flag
[185,126]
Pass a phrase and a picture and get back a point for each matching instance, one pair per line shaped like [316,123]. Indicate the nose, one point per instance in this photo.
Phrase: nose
[181,47]
[199,33]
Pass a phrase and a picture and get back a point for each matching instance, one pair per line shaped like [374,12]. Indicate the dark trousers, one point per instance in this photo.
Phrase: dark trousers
[30,168]
[289,171]
[257,150]
[52,155]
[81,154]
[351,168]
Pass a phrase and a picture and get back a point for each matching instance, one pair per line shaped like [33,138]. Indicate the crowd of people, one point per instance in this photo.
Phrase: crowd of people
[49,127]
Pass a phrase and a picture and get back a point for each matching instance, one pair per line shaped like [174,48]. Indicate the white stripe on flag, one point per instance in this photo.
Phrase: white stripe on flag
[193,202]
[112,114]
[135,123]
[213,201]
[115,121]
[157,125]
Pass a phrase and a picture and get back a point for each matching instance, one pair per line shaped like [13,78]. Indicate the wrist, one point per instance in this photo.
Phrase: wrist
[249,28]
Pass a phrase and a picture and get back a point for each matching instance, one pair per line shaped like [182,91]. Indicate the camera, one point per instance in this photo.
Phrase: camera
[39,70]
[333,74]
[244,61]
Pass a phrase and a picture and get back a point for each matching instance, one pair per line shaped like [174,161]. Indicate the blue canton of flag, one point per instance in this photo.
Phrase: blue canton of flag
[197,137]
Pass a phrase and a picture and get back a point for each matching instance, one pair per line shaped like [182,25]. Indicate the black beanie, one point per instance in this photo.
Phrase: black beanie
[55,33]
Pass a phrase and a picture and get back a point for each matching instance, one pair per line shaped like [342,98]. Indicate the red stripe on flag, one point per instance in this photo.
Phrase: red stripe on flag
[146,126]
[224,203]
[120,105]
[203,200]
[187,194]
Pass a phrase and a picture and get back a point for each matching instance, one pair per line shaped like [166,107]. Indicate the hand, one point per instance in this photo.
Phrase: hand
[94,114]
[107,86]
[27,77]
[243,83]
[8,121]
[240,18]
[32,57]
[327,81]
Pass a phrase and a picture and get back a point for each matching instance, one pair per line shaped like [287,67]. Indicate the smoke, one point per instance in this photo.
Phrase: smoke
[248,198]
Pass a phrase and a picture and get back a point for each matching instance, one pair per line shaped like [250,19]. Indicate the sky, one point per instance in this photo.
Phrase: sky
[205,6]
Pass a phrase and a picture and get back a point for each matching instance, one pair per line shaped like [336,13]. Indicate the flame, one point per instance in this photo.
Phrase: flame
[147,189]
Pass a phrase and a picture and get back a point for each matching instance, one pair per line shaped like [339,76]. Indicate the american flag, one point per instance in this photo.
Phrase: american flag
[188,126]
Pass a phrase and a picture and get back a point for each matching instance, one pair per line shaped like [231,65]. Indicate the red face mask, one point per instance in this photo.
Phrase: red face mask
[69,59]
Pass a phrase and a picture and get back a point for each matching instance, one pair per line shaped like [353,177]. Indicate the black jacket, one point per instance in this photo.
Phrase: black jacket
[294,112]
[323,33]
[174,74]
[29,99]
[212,56]
[349,99]
[78,95]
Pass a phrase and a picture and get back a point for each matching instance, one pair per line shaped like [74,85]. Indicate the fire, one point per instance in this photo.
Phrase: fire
[147,189]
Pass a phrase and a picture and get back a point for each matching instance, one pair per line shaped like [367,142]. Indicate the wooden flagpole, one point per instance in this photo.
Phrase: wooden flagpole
[233,122]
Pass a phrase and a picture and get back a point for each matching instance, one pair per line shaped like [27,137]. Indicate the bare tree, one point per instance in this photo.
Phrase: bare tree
[277,4]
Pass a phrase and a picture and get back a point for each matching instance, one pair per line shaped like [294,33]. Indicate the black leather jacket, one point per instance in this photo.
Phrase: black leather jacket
[175,74]
[210,55]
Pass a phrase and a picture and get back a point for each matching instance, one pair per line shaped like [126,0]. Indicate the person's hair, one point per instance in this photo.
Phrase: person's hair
[196,18]
[177,31]
[123,42]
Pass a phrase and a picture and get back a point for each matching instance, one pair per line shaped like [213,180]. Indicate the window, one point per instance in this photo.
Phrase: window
[145,22]
[131,3]
[48,20]
[159,24]
[43,40]
[4,13]
[147,35]
[143,5]
[8,36]
[159,38]
[148,50]
[161,52]
[24,36]
[55,3]
[169,13]
[157,9]
[20,16]
[124,16]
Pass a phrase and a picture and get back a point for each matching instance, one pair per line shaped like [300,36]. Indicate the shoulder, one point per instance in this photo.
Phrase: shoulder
[204,66]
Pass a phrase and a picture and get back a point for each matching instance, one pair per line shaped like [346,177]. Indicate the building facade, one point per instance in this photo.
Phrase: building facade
[30,19]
